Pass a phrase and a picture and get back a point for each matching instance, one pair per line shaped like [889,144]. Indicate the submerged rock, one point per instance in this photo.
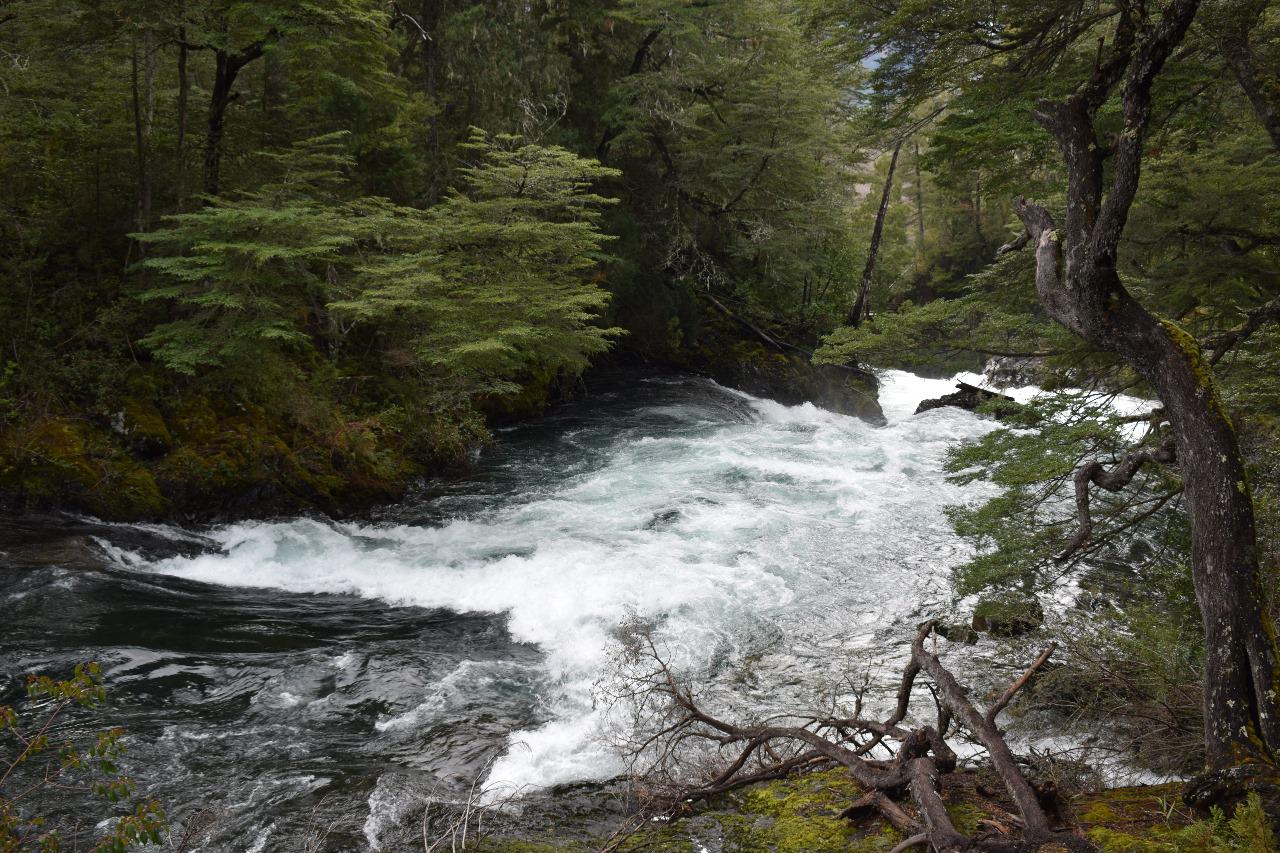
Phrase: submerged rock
[1009,615]
[68,552]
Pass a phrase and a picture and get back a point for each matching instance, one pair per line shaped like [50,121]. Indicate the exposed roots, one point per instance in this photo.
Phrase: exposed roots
[681,740]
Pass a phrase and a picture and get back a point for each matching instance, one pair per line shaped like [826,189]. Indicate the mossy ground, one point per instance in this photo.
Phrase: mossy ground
[801,814]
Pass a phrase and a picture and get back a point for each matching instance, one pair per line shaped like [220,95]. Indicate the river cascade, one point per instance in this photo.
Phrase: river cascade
[270,670]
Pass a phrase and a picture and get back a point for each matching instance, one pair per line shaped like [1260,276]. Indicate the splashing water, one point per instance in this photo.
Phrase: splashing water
[743,529]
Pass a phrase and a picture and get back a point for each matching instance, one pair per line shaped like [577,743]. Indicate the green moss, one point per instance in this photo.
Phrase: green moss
[143,423]
[128,491]
[1200,369]
[504,845]
[966,817]
[801,813]
[1247,831]
[1099,813]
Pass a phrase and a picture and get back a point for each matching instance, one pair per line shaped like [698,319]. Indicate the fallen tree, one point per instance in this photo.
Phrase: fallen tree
[685,753]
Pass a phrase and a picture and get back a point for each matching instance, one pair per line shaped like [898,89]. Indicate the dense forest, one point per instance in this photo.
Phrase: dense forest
[301,251]
[266,257]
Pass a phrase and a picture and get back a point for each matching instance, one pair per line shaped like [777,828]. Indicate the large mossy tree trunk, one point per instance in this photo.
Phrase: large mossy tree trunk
[1079,286]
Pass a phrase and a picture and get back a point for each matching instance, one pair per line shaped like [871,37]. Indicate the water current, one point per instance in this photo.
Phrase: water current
[267,671]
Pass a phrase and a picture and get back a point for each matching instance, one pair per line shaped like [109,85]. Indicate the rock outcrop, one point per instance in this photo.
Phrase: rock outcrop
[738,355]
[968,397]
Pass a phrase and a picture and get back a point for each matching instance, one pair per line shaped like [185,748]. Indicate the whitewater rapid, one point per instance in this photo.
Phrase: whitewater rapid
[745,530]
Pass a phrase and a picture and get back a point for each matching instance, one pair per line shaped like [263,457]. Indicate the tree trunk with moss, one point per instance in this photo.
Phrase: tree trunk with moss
[1078,284]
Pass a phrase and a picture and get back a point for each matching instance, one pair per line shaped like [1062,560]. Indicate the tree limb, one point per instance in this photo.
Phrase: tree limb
[417,25]
[922,760]
[1113,481]
[1007,697]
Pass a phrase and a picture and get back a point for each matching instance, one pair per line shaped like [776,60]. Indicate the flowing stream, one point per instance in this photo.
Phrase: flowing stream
[270,671]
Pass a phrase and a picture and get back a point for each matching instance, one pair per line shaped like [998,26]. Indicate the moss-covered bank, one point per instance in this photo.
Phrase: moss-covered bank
[165,452]
[158,448]
[801,814]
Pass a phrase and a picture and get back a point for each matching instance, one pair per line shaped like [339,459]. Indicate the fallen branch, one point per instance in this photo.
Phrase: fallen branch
[780,345]
[679,724]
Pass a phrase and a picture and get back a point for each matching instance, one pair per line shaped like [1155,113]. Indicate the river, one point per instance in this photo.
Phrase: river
[272,671]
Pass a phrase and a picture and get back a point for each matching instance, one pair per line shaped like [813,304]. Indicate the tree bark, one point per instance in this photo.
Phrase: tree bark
[184,95]
[1231,26]
[227,68]
[862,306]
[1080,288]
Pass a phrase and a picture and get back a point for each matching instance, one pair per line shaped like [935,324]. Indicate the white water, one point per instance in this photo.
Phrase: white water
[781,533]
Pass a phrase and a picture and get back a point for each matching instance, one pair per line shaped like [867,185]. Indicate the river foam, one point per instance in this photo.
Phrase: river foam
[739,526]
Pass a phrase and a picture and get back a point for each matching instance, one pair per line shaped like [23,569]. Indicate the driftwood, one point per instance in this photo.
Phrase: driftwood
[672,724]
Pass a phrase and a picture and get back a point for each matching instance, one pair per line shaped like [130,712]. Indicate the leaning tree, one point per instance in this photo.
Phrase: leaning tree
[1093,68]
[1079,286]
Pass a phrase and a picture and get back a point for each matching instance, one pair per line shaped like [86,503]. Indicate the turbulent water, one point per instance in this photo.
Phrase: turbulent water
[270,671]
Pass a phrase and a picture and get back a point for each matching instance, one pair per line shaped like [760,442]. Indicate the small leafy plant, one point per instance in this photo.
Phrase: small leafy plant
[35,765]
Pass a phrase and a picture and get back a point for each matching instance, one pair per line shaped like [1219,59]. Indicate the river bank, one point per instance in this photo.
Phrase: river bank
[172,451]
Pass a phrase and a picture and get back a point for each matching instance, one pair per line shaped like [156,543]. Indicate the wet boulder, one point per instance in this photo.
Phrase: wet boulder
[970,397]
[1009,615]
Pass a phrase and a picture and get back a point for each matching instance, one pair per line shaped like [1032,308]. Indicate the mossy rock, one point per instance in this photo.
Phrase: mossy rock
[957,632]
[142,425]
[72,463]
[1009,615]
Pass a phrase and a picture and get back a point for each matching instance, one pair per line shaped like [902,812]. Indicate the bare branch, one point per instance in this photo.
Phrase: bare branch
[1003,702]
[417,25]
[1016,244]
[913,841]
[1113,481]
[921,760]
